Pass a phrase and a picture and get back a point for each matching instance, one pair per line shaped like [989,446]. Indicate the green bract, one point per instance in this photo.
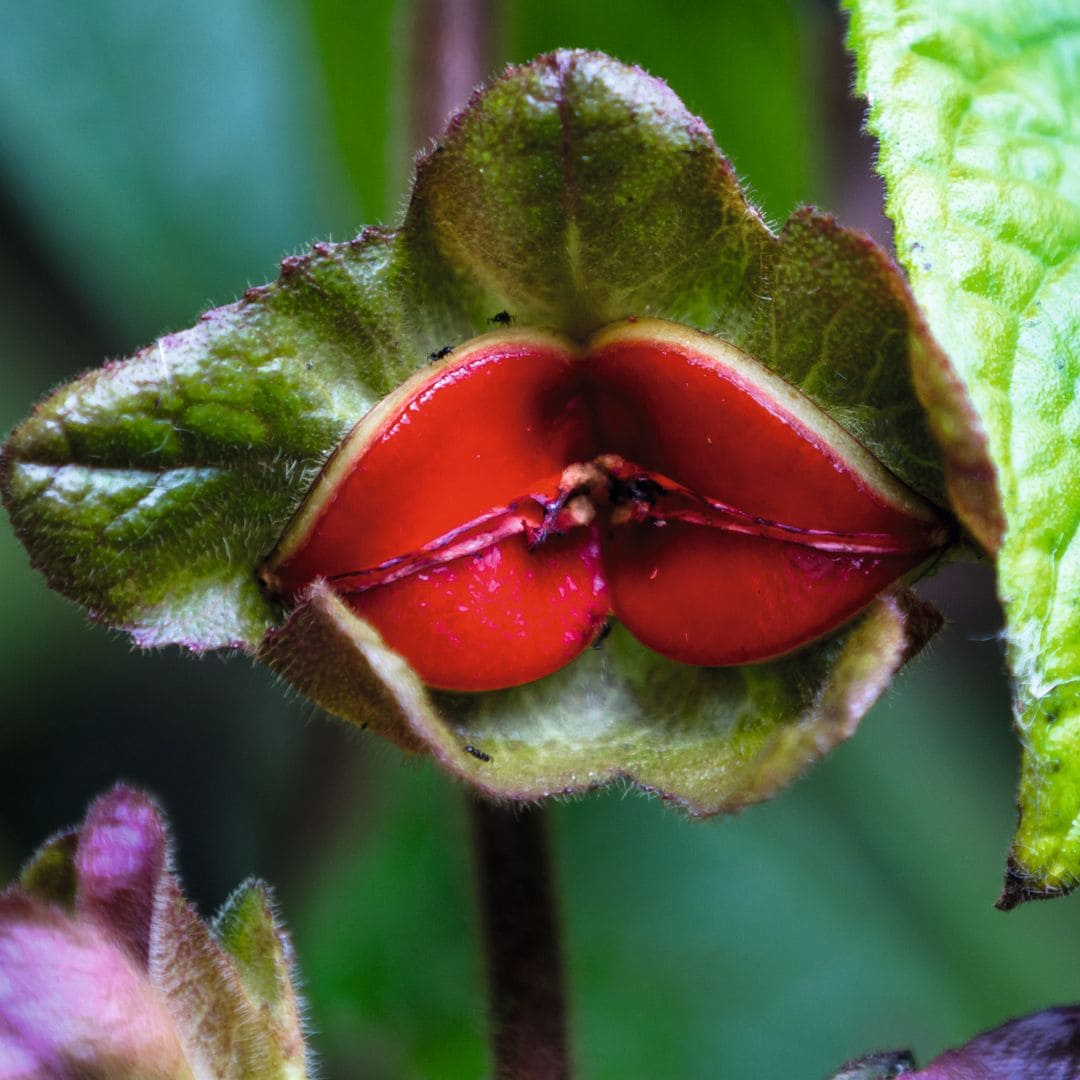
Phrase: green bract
[977,109]
[573,192]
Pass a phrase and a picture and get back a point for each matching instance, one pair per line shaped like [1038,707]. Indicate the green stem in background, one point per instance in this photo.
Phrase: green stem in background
[521,937]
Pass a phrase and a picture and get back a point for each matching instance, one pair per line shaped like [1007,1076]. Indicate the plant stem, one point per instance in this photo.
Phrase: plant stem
[525,982]
[453,42]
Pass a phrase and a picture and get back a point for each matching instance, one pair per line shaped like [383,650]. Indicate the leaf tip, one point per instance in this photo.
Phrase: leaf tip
[50,875]
[1022,886]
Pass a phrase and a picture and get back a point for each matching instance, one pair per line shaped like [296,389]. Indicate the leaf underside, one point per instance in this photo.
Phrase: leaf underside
[977,110]
[573,192]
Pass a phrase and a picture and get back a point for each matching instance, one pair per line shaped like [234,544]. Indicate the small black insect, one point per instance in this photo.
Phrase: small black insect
[635,489]
[477,753]
[446,350]
[602,636]
[501,318]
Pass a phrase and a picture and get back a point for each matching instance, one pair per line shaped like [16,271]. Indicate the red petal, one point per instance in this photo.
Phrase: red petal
[497,422]
[498,419]
[710,598]
[695,408]
[499,618]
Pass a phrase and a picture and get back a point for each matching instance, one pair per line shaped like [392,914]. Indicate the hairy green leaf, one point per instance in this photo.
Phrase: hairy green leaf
[149,490]
[745,39]
[248,931]
[572,192]
[712,740]
[977,110]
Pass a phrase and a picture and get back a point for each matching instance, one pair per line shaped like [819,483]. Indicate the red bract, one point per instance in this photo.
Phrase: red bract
[491,514]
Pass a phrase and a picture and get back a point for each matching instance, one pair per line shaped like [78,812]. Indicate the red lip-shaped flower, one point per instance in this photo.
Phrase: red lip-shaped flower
[687,440]
[656,474]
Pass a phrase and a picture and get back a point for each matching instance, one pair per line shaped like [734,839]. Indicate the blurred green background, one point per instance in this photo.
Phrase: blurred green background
[156,159]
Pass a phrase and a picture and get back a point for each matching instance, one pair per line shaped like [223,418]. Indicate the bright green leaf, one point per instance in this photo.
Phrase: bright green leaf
[976,106]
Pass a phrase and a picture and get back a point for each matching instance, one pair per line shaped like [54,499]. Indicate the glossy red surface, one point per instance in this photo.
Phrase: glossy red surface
[480,434]
[708,597]
[673,411]
[731,532]
[502,617]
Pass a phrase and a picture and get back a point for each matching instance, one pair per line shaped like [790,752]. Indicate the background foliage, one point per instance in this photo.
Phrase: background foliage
[156,162]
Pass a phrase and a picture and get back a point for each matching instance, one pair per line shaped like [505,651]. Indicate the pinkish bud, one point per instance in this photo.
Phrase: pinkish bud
[106,969]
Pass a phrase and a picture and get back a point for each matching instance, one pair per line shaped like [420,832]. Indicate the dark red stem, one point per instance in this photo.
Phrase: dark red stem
[520,926]
[453,42]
